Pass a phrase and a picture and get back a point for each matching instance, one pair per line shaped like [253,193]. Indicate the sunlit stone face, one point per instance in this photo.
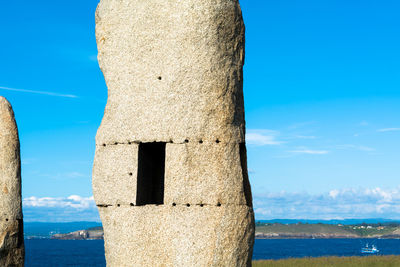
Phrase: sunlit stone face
[11,226]
[170,173]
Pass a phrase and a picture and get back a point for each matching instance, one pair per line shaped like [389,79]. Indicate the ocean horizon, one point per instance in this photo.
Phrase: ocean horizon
[52,252]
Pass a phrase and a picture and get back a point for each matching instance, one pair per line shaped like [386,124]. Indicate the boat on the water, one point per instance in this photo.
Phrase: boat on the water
[369,250]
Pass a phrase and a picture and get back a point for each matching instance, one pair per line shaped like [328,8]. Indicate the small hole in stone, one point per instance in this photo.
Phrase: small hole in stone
[116,143]
[104,144]
[118,205]
[129,143]
[201,141]
[201,205]
[171,141]
[188,205]
[174,204]
[6,220]
[186,141]
[132,204]
[219,205]
[217,141]
[130,174]
[159,77]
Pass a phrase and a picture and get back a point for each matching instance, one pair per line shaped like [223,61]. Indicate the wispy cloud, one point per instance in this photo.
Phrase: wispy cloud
[60,209]
[344,203]
[262,137]
[74,175]
[304,137]
[388,130]
[300,125]
[27,161]
[366,148]
[309,151]
[356,147]
[38,92]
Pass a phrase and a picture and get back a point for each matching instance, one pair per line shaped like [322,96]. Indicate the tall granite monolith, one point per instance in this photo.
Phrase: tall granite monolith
[170,171]
[11,226]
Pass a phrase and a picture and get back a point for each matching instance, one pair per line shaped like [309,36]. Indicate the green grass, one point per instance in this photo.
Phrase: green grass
[371,232]
[371,261]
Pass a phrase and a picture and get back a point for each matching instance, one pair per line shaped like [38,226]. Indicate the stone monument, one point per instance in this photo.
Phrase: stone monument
[11,226]
[170,171]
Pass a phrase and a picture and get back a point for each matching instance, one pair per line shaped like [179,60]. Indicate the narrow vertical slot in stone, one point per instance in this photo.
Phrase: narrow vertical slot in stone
[20,243]
[151,169]
[245,175]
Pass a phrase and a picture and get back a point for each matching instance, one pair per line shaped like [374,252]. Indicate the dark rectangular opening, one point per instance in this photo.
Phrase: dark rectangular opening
[150,178]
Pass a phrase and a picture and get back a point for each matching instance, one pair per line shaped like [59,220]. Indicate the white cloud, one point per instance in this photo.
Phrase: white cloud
[74,201]
[309,151]
[38,92]
[345,203]
[262,137]
[388,130]
[60,209]
[334,193]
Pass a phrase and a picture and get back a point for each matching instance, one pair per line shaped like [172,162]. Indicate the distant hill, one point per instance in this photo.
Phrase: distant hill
[305,230]
[89,234]
[335,221]
[46,230]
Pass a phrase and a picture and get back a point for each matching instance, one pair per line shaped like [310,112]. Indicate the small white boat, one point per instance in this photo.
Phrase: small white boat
[369,250]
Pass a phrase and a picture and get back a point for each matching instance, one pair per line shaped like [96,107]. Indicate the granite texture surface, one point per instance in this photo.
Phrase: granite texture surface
[11,226]
[174,75]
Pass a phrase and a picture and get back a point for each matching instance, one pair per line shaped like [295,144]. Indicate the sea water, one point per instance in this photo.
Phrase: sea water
[298,248]
[50,252]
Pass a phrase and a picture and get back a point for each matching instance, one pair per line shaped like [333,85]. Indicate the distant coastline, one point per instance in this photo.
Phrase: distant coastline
[299,230]
[388,230]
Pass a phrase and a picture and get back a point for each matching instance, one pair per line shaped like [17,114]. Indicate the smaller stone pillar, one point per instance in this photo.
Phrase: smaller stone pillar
[11,225]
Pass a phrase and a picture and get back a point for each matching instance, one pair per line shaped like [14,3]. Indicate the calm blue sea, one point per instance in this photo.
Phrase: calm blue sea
[48,252]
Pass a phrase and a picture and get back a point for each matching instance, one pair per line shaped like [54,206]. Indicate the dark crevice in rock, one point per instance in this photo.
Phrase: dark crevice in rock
[245,175]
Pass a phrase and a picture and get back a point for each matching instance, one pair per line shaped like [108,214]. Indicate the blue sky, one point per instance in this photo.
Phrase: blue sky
[322,97]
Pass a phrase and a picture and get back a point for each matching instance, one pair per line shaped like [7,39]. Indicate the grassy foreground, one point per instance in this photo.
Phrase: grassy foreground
[370,261]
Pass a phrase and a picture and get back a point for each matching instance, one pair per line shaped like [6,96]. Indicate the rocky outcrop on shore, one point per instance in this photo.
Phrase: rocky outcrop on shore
[90,234]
